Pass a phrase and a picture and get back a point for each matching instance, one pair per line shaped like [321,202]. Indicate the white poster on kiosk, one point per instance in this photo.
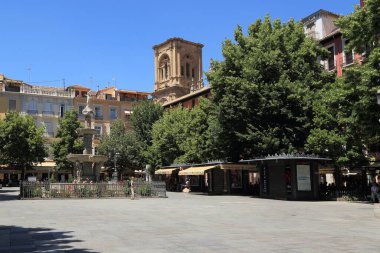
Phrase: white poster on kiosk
[303,178]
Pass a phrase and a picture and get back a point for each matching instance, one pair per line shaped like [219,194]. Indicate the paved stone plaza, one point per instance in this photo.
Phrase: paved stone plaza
[185,223]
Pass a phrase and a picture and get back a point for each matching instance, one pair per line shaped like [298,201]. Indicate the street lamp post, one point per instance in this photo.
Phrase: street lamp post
[378,97]
[114,174]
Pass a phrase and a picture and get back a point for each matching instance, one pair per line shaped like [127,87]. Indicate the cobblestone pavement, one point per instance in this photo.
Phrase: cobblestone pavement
[185,223]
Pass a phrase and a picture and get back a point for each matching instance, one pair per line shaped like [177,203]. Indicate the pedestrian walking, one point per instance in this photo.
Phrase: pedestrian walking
[132,190]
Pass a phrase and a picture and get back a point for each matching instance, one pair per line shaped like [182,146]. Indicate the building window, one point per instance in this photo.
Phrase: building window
[98,113]
[113,113]
[182,71]
[12,105]
[187,70]
[48,108]
[164,67]
[108,96]
[98,130]
[348,56]
[331,58]
[80,110]
[62,110]
[32,107]
[192,73]
[49,129]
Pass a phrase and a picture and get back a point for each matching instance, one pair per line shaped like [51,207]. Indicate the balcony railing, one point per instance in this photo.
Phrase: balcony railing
[32,112]
[48,113]
[313,34]
[130,99]
[46,92]
[50,134]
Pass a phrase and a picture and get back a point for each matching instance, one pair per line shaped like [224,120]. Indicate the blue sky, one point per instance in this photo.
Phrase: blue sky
[107,42]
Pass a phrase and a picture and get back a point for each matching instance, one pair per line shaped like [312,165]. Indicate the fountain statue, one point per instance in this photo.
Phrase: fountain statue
[88,164]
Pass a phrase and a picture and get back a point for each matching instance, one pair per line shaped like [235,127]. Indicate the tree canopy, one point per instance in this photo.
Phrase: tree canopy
[186,136]
[264,89]
[69,141]
[21,141]
[362,27]
[123,142]
[347,114]
[142,120]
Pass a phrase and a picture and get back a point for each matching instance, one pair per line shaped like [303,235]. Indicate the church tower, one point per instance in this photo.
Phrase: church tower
[177,68]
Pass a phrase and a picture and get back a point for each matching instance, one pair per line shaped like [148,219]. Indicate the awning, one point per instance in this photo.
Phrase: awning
[195,171]
[250,167]
[165,171]
[45,164]
[326,170]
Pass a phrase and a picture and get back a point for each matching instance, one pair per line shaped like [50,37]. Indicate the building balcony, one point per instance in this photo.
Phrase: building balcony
[47,92]
[32,112]
[129,99]
[313,34]
[48,113]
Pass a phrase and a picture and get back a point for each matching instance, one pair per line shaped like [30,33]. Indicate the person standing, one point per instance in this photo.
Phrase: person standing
[374,192]
[132,190]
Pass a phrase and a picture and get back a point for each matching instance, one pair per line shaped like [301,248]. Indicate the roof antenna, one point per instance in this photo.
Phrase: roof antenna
[64,83]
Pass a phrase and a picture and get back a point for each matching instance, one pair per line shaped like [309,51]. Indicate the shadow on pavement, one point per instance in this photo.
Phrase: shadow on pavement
[20,239]
[11,193]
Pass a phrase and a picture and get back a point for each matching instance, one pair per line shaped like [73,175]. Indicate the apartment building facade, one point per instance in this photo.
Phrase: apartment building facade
[108,104]
[45,104]
[321,27]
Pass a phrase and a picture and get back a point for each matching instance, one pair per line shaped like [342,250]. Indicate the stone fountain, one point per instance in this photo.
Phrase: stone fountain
[87,165]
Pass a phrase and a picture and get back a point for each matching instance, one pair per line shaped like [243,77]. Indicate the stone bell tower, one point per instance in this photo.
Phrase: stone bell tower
[177,68]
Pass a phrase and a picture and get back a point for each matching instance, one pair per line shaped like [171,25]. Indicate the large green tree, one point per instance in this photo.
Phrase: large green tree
[142,120]
[69,141]
[362,27]
[200,143]
[21,142]
[123,142]
[186,136]
[347,114]
[168,135]
[264,87]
